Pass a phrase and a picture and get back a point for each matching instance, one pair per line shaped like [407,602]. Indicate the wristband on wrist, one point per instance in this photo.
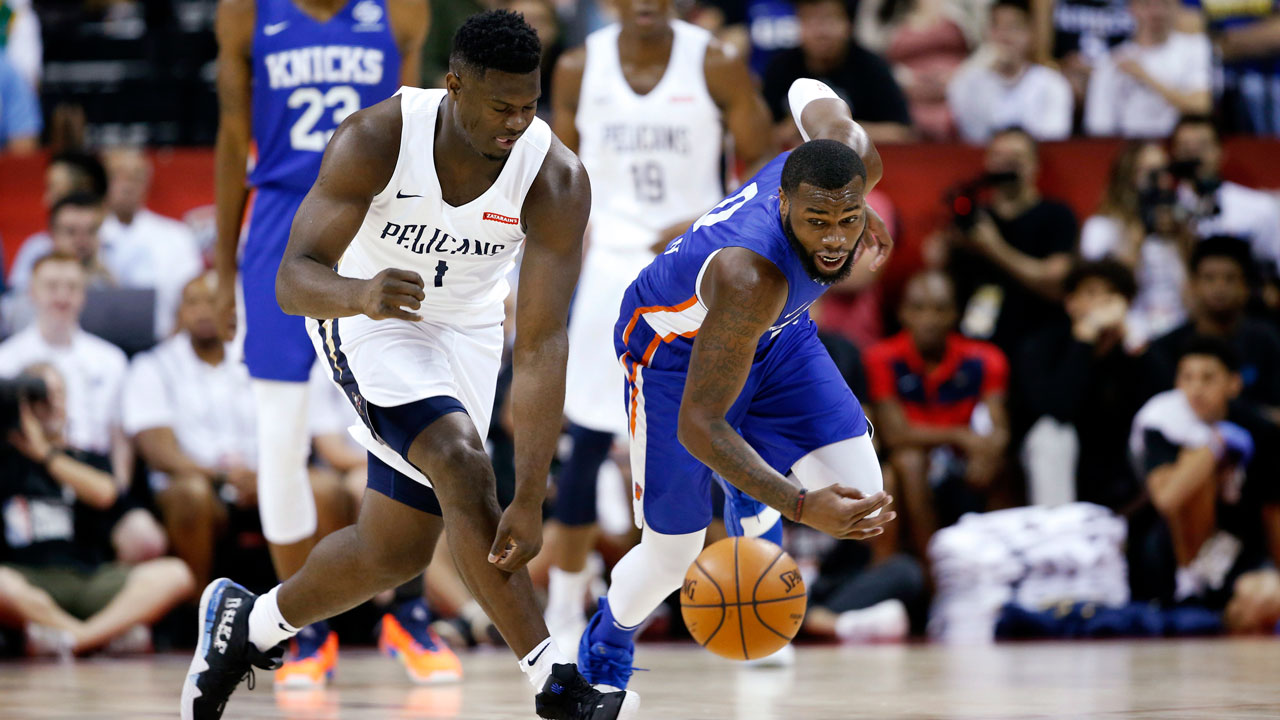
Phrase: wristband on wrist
[800,504]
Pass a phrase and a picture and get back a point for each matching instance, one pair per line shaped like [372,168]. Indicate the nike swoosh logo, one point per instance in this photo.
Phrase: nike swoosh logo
[282,627]
[535,657]
[400,195]
[275,28]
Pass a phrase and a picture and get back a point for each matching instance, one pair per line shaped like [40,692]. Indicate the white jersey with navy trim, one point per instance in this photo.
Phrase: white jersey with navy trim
[463,253]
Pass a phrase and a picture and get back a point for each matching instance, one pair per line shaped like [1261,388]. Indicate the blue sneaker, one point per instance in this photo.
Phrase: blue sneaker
[605,665]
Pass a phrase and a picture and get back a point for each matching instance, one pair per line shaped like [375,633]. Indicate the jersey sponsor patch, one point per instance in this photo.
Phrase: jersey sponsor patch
[501,218]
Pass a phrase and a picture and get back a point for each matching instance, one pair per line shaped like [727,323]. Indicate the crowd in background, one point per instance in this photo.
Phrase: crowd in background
[1129,359]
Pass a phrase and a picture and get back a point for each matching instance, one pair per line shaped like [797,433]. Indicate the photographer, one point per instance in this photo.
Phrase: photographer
[1009,253]
[1221,207]
[55,576]
[1140,225]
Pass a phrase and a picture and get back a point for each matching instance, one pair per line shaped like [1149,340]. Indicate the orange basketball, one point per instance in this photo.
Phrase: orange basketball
[743,598]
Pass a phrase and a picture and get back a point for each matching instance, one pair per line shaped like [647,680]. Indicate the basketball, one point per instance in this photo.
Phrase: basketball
[743,598]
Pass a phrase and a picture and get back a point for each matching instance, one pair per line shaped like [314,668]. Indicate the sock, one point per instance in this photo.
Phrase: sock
[610,631]
[537,665]
[267,627]
[565,591]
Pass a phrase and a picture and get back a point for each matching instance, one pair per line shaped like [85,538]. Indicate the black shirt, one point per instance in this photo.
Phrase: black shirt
[863,80]
[43,524]
[1046,228]
[1257,343]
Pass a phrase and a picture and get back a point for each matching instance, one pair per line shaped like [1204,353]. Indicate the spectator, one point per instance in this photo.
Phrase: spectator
[1000,87]
[1221,207]
[54,578]
[1143,86]
[1218,286]
[92,367]
[926,384]
[541,15]
[1247,39]
[765,28]
[925,41]
[1075,34]
[1009,265]
[141,248]
[1210,468]
[1079,374]
[67,173]
[20,39]
[74,223]
[20,121]
[863,592]
[189,407]
[1137,225]
[827,52]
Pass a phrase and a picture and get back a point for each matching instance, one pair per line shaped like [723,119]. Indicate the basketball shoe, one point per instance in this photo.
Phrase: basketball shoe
[567,695]
[313,656]
[224,656]
[605,664]
[407,636]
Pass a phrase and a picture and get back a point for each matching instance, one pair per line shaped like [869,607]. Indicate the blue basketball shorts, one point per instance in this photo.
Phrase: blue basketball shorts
[276,346]
[794,402]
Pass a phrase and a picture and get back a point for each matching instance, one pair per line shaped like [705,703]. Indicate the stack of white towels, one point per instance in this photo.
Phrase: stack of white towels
[1033,556]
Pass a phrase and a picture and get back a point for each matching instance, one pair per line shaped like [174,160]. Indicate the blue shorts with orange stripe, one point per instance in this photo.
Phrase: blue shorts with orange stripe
[794,402]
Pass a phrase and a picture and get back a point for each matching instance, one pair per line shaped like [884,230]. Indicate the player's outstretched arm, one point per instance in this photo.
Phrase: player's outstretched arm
[555,213]
[745,293]
[358,164]
[234,28]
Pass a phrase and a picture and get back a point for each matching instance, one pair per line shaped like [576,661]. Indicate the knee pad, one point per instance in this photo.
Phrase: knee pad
[285,503]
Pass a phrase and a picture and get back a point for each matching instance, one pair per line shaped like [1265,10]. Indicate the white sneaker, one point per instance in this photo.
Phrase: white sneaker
[784,658]
[44,641]
[136,640]
[885,621]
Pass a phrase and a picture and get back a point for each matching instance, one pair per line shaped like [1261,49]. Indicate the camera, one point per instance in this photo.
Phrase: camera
[1158,205]
[963,199]
[13,391]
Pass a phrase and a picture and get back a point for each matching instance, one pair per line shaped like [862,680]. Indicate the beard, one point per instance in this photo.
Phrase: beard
[810,264]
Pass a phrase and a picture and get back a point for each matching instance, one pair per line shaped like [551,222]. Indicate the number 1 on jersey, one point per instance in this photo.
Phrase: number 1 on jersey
[442,267]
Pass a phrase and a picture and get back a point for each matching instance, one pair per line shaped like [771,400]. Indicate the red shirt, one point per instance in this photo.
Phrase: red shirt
[945,396]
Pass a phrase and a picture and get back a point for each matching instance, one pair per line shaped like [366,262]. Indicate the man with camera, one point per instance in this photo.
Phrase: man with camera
[1221,207]
[1008,248]
[59,508]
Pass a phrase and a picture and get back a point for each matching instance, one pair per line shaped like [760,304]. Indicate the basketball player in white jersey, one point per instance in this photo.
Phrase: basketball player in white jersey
[645,104]
[401,250]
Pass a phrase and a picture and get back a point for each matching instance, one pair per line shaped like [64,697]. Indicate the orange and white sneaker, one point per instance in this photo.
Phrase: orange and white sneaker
[313,656]
[405,635]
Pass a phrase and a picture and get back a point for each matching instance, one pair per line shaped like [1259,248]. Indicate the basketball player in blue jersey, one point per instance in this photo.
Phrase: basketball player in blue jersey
[646,104]
[725,372]
[289,71]
[398,257]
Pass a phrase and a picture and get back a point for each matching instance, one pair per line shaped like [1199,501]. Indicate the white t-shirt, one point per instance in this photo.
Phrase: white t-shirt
[1119,104]
[209,407]
[152,252]
[1161,276]
[1249,214]
[32,249]
[983,101]
[93,370]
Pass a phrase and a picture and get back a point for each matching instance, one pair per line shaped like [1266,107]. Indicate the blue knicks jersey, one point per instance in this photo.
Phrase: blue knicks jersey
[308,77]
[661,311]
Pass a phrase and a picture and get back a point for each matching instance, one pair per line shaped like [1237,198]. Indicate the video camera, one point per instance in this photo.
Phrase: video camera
[964,199]
[13,391]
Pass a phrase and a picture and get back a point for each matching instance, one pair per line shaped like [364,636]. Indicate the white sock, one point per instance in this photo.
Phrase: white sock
[565,591]
[267,627]
[538,663]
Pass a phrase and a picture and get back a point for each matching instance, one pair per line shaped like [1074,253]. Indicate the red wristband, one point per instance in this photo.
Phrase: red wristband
[800,504]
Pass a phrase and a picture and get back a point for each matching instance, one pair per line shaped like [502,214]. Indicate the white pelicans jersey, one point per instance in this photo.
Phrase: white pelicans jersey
[654,159]
[464,253]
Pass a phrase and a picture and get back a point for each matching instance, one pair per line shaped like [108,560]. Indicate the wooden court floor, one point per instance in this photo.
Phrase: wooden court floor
[1170,680]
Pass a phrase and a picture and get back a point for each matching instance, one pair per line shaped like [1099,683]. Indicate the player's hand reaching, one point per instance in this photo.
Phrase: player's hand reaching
[876,240]
[519,536]
[393,293]
[841,512]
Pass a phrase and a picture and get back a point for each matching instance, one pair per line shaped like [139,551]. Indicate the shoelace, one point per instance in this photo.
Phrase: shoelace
[252,683]
[616,665]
